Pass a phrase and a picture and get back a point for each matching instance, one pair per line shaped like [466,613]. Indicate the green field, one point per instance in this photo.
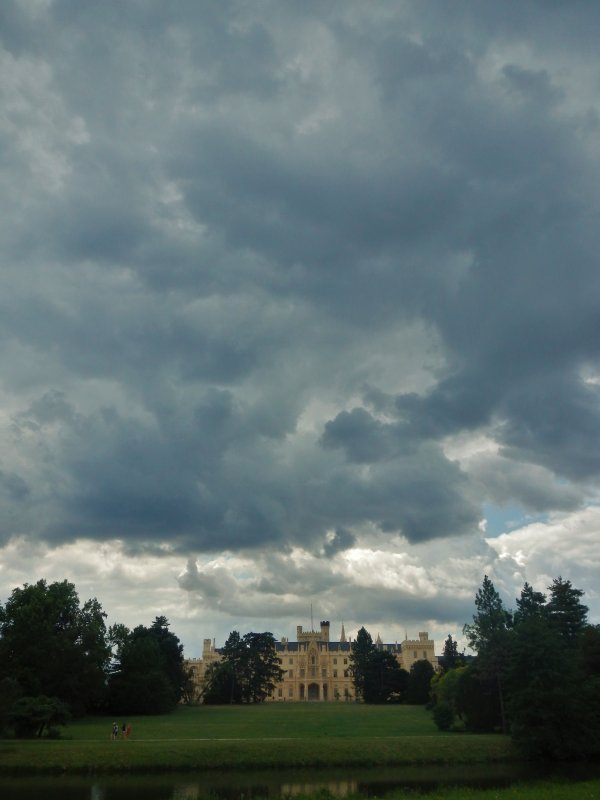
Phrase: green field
[284,735]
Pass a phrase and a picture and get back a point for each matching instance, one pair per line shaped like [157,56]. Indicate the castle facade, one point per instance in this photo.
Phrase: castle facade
[316,668]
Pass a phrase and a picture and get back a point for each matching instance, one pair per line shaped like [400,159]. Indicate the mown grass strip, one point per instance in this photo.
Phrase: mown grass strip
[64,756]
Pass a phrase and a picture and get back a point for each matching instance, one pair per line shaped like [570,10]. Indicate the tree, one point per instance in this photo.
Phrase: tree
[148,672]
[529,604]
[566,613]
[419,683]
[263,670]
[31,716]
[362,651]
[451,658]
[247,672]
[10,692]
[554,695]
[53,647]
[385,679]
[489,636]
[171,651]
[477,700]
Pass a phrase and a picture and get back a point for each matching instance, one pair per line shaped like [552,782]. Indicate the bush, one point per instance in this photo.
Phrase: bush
[443,716]
[30,716]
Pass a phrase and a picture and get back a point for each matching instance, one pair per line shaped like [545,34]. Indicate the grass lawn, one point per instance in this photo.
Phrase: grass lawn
[269,721]
[252,737]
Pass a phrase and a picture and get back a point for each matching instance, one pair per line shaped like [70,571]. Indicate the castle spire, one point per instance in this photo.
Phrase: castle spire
[343,634]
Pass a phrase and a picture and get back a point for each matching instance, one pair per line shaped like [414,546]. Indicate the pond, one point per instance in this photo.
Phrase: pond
[275,783]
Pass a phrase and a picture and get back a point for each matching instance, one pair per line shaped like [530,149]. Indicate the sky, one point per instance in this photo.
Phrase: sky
[299,308]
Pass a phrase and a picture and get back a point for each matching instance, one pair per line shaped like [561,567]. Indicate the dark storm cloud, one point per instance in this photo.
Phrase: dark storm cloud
[220,220]
[340,540]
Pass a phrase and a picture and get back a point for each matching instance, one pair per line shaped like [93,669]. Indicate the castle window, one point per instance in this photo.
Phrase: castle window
[415,654]
[424,655]
[345,673]
[335,660]
[279,693]
[301,673]
[345,661]
[335,673]
[323,673]
[290,673]
[312,659]
[290,692]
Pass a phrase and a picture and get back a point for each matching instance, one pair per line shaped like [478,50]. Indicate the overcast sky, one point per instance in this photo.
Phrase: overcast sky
[299,304]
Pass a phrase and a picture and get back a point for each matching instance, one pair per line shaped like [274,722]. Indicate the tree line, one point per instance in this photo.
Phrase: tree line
[59,659]
[535,676]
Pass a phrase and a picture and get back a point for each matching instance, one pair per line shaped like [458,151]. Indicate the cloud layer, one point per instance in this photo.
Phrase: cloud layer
[291,290]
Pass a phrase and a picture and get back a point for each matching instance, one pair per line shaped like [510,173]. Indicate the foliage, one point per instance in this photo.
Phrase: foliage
[545,663]
[31,716]
[419,683]
[54,647]
[489,636]
[10,691]
[478,702]
[443,716]
[362,651]
[247,672]
[450,657]
[566,613]
[553,697]
[529,604]
[445,690]
[385,679]
[190,694]
[148,672]
[377,676]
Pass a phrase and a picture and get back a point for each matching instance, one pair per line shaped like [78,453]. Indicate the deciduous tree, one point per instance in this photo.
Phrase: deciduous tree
[247,672]
[148,672]
[53,647]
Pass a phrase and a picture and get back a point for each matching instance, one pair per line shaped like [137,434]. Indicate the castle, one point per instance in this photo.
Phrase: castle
[317,668]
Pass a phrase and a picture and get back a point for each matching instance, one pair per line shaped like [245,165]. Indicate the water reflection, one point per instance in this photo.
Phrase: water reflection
[277,784]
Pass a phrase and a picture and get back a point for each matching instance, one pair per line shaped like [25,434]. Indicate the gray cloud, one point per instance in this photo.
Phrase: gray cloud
[261,263]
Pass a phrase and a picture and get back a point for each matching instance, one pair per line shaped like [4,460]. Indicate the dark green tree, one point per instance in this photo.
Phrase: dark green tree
[489,637]
[451,658]
[362,651]
[10,692]
[221,685]
[529,604]
[147,672]
[554,693]
[32,716]
[171,651]
[385,680]
[262,667]
[53,647]
[247,672]
[566,613]
[477,701]
[419,683]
